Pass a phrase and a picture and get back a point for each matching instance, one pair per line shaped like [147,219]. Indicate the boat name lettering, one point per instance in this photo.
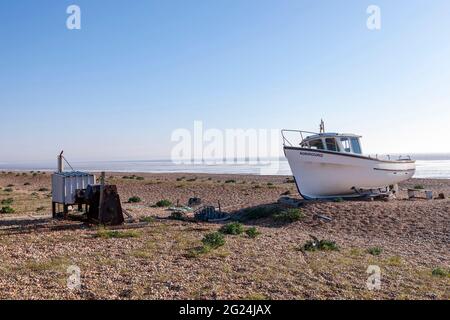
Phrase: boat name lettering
[311,154]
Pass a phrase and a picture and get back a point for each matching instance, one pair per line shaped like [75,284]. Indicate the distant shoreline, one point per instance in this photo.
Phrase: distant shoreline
[431,169]
[189,174]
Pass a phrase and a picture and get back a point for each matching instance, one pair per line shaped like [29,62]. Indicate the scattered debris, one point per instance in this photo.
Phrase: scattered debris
[377,193]
[178,215]
[413,193]
[184,209]
[194,202]
[210,214]
[322,217]
[130,217]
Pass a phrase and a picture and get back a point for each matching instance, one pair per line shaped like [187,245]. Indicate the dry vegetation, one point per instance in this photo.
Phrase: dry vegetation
[410,238]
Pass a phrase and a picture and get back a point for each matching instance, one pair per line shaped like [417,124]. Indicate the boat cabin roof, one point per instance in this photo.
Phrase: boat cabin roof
[335,142]
[331,135]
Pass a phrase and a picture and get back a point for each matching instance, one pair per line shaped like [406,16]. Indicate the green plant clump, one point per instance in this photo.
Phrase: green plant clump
[322,245]
[213,240]
[109,234]
[164,203]
[439,272]
[7,209]
[258,213]
[375,251]
[233,228]
[289,215]
[252,232]
[147,219]
[134,199]
[7,202]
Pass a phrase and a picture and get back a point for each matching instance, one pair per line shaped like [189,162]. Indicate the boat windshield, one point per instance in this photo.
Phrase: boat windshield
[316,144]
[355,145]
[351,145]
[331,144]
[346,144]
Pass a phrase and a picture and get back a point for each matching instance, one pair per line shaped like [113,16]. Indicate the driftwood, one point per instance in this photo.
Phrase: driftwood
[40,228]
[322,217]
[63,227]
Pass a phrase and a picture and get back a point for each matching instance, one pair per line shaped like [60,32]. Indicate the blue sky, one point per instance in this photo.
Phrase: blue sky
[137,70]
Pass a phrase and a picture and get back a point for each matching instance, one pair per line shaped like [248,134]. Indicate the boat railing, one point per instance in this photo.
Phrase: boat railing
[287,142]
[390,157]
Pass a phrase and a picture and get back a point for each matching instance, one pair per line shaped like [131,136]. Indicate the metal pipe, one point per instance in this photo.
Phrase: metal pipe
[60,162]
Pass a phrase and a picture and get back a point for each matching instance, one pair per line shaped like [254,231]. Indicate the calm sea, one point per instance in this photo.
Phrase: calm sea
[428,166]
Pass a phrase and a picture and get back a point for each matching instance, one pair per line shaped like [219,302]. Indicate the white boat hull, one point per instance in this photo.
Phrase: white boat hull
[324,174]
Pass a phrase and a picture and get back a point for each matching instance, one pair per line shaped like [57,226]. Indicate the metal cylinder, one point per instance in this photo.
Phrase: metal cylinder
[60,162]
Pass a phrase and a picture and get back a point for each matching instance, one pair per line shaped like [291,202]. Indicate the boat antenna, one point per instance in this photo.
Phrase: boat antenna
[322,126]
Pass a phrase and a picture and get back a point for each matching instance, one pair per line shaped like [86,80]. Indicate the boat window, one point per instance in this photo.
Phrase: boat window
[316,144]
[346,144]
[355,145]
[331,144]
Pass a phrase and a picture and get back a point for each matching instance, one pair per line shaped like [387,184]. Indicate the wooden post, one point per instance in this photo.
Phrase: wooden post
[54,210]
[102,188]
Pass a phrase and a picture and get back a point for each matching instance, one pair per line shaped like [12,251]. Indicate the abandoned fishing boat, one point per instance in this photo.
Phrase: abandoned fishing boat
[331,165]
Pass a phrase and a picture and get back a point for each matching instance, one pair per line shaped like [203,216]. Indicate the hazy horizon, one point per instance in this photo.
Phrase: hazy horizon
[52,162]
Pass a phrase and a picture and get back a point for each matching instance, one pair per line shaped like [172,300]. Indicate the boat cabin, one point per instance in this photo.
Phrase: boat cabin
[335,142]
